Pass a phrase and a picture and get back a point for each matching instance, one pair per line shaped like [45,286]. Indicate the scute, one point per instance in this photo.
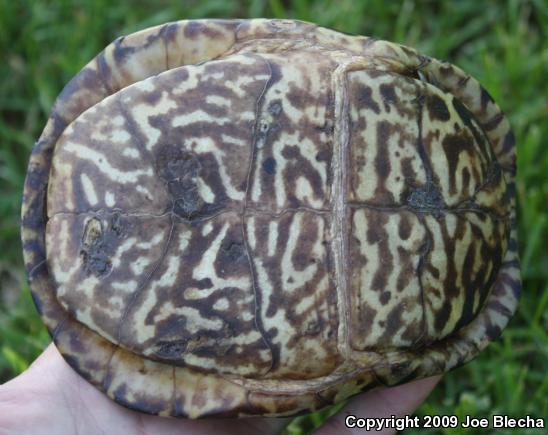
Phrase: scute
[295,282]
[385,253]
[264,217]
[423,147]
[198,309]
[96,281]
[295,131]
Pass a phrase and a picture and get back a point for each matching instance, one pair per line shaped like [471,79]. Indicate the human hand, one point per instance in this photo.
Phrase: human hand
[51,398]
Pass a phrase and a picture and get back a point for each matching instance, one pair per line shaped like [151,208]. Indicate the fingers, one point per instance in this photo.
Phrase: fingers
[51,398]
[55,399]
[382,402]
[248,426]
[34,400]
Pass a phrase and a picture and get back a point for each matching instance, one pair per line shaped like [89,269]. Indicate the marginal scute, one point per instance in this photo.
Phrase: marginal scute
[198,41]
[240,217]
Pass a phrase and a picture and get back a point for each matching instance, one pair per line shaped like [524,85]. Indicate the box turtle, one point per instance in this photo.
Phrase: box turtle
[264,217]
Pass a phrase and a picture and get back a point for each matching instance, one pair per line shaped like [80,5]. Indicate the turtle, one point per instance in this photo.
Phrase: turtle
[229,218]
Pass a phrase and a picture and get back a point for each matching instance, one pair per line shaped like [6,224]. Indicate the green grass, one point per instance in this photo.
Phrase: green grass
[503,44]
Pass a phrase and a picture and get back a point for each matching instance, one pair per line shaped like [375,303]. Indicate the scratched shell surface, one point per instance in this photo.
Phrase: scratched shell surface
[241,217]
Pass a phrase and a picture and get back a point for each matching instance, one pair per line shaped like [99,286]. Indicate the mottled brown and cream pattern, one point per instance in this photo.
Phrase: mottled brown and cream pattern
[264,217]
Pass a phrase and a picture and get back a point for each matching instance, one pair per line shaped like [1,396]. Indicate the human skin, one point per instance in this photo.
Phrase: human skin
[51,398]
